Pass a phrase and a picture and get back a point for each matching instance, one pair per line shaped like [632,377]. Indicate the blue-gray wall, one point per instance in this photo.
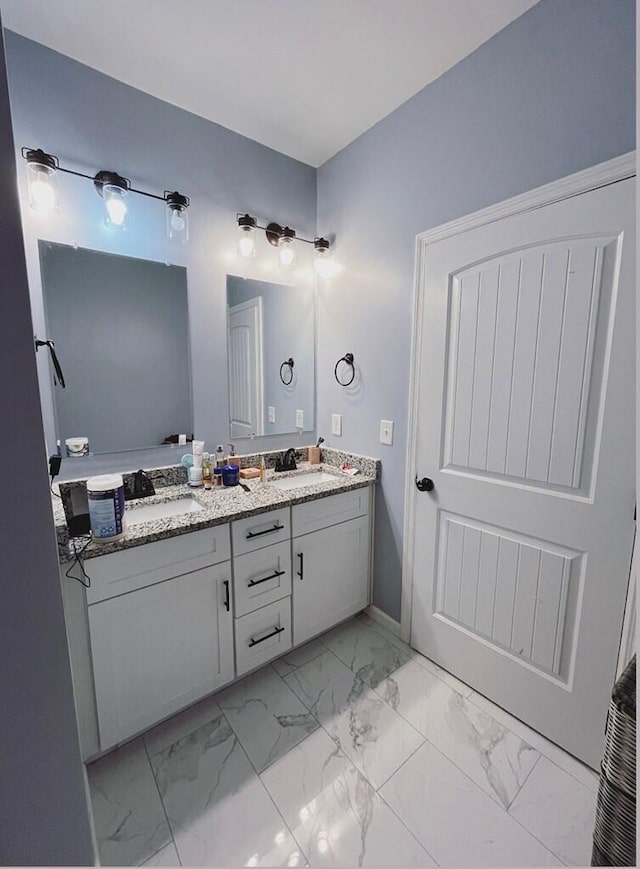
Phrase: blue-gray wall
[551,94]
[92,122]
[44,816]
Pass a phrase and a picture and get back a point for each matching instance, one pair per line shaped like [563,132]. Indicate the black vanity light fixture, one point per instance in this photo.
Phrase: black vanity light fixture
[114,188]
[284,239]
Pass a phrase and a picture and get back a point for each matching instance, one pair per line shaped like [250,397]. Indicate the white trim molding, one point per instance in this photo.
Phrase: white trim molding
[617,169]
[628,638]
[379,616]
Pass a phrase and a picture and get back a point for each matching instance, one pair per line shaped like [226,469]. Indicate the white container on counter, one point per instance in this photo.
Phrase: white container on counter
[106,507]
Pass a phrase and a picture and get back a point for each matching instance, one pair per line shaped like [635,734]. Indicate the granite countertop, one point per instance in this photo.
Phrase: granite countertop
[219,505]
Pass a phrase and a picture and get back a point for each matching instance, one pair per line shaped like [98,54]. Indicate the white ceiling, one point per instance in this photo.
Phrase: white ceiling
[305,78]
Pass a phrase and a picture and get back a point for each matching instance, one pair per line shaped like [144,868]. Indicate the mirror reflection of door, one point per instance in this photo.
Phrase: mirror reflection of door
[246,385]
[269,323]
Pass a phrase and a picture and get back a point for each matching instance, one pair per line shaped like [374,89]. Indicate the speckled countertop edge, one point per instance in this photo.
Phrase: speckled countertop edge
[219,507]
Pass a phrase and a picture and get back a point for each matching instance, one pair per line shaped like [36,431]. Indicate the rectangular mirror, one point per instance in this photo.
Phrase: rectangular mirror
[121,331]
[271,357]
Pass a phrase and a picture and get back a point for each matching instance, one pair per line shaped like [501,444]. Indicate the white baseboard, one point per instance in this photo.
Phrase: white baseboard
[377,615]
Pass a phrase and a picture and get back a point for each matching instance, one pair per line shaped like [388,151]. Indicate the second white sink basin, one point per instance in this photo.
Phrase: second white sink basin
[299,482]
[150,512]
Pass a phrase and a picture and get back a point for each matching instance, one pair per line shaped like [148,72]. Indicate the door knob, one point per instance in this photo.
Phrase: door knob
[425,484]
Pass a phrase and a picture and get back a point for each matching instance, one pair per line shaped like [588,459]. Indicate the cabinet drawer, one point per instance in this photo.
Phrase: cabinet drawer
[263,635]
[258,531]
[120,572]
[261,577]
[323,512]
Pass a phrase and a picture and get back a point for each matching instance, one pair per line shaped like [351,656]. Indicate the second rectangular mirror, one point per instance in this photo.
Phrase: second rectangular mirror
[271,357]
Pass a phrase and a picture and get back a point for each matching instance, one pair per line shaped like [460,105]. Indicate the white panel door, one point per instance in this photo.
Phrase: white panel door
[157,649]
[246,386]
[526,427]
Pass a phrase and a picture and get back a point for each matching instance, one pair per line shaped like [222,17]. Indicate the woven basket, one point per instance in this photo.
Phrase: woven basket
[614,835]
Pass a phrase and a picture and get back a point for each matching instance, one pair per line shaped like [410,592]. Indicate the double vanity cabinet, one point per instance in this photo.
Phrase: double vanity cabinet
[166,623]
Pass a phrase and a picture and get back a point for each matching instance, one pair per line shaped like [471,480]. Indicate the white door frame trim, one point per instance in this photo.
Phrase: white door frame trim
[600,175]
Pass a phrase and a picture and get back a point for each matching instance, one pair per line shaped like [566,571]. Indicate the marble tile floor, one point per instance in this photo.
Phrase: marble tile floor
[353,750]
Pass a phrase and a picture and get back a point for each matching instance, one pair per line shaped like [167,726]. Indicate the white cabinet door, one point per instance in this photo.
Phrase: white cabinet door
[330,577]
[159,649]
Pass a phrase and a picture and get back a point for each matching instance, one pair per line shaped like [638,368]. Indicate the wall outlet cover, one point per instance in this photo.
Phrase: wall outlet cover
[386,432]
[271,411]
[336,424]
[299,419]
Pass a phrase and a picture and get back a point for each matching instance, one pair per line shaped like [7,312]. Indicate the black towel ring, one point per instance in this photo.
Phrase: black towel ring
[288,363]
[348,360]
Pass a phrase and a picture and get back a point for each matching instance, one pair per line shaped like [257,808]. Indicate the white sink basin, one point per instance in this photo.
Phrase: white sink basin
[299,482]
[149,512]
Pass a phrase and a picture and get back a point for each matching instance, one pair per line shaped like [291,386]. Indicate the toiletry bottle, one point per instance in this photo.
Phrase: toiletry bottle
[206,470]
[220,460]
[232,454]
[263,470]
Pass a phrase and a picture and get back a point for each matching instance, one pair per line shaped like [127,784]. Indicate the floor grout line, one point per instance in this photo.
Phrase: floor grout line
[540,751]
[525,780]
[264,787]
[164,808]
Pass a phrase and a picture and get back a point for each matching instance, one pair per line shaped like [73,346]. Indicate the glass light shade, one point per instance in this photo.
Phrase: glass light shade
[286,253]
[323,263]
[177,223]
[246,241]
[42,187]
[116,212]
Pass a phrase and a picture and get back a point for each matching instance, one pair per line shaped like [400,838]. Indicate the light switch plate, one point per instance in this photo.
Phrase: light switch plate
[299,419]
[272,414]
[336,424]
[386,432]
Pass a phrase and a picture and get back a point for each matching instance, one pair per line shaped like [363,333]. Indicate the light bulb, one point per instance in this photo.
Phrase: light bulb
[177,220]
[325,266]
[246,244]
[115,206]
[177,217]
[246,236]
[287,253]
[117,210]
[41,175]
[43,197]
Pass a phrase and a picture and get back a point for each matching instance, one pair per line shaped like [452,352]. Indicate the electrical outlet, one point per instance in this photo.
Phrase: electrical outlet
[271,414]
[336,424]
[386,432]
[299,419]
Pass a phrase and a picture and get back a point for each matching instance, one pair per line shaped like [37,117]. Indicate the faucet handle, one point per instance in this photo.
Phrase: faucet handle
[142,484]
